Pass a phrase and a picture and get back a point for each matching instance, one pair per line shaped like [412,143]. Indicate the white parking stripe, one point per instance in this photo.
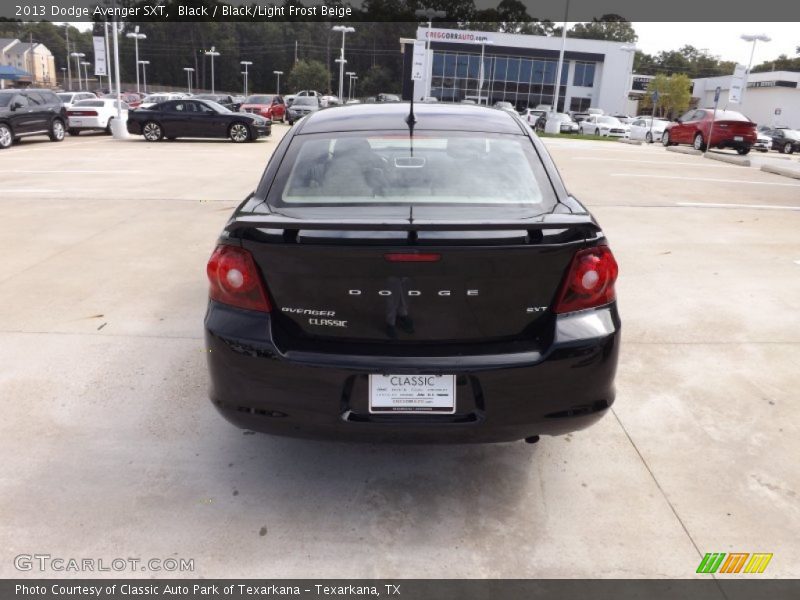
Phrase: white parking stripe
[754,206]
[656,162]
[733,181]
[69,172]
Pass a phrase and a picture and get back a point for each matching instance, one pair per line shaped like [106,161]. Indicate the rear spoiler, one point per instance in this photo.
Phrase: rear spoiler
[563,221]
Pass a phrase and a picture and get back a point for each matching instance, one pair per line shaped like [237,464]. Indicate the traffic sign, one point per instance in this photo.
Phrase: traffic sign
[717,92]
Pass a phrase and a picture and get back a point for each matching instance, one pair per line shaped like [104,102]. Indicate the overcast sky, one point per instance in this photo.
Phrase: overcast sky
[721,39]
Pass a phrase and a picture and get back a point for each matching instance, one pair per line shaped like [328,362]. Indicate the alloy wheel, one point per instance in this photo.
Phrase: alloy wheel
[5,136]
[698,142]
[58,130]
[239,132]
[788,149]
[152,132]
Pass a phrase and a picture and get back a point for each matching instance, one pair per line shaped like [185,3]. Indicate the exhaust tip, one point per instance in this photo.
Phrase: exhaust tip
[532,440]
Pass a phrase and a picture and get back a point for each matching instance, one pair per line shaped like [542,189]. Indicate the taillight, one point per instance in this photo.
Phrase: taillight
[590,280]
[235,280]
[81,113]
[411,257]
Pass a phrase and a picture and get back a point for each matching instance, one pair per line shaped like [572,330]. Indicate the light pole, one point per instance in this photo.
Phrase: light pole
[350,75]
[64,76]
[278,74]
[761,37]
[353,80]
[212,53]
[78,56]
[345,30]
[189,71]
[69,68]
[481,74]
[136,36]
[631,50]
[429,15]
[86,64]
[245,64]
[144,64]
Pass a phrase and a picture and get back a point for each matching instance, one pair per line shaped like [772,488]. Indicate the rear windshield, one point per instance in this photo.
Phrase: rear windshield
[730,115]
[258,100]
[437,167]
[90,103]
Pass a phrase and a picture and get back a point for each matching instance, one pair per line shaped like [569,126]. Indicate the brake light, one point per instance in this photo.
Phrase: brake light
[234,279]
[590,280]
[81,113]
[411,257]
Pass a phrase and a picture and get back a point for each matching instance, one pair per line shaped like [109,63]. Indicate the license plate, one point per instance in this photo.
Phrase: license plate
[738,138]
[412,394]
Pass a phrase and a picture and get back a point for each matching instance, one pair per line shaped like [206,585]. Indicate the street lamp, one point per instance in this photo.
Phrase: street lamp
[631,50]
[345,30]
[144,64]
[78,56]
[69,67]
[86,64]
[136,36]
[429,14]
[350,75]
[245,63]
[189,71]
[278,73]
[212,53]
[761,37]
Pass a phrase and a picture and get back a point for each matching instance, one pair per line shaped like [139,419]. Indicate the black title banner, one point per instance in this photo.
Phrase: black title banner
[462,11]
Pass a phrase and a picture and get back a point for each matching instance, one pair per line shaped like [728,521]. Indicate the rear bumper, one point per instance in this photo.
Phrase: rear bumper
[498,397]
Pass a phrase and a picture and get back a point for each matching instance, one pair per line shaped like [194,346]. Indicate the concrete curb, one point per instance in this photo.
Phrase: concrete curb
[683,150]
[785,171]
[727,158]
[631,142]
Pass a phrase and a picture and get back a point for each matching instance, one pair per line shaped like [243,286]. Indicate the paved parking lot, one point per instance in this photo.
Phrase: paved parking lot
[111,449]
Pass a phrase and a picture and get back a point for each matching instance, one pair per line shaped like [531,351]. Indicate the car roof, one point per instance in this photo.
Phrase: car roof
[392,116]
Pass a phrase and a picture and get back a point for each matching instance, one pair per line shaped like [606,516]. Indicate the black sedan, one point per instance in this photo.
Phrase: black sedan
[418,277]
[785,141]
[196,119]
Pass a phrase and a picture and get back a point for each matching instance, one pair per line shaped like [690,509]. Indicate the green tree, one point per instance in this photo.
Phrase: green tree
[308,75]
[378,80]
[674,94]
[608,27]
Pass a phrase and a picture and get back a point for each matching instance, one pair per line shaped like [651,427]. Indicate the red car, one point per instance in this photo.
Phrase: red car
[731,130]
[270,106]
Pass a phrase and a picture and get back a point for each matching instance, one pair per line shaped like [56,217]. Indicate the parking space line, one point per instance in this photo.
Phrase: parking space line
[733,181]
[753,206]
[70,172]
[656,162]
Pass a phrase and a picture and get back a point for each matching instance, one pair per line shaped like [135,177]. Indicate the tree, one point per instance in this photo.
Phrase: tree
[378,80]
[612,28]
[674,94]
[308,75]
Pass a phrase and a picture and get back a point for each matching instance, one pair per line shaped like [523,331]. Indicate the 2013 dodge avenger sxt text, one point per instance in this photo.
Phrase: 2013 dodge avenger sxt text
[412,276]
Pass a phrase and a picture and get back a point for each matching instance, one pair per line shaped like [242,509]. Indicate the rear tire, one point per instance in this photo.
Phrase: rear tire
[648,137]
[152,131]
[597,132]
[56,132]
[239,132]
[699,143]
[6,136]
[665,139]
[788,148]
[743,151]
[108,126]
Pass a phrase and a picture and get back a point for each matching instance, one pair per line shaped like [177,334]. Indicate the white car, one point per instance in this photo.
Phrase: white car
[605,126]
[648,129]
[531,115]
[329,100]
[763,142]
[93,115]
[70,98]
[154,99]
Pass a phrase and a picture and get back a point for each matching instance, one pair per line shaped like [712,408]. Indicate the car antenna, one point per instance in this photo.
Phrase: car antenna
[411,120]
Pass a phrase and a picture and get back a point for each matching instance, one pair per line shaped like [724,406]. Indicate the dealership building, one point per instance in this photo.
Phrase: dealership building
[520,69]
[771,98]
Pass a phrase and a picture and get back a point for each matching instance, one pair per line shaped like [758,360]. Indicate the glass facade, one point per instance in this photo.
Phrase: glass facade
[523,81]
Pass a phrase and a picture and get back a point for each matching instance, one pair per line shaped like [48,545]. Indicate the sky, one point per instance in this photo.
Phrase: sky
[720,39]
